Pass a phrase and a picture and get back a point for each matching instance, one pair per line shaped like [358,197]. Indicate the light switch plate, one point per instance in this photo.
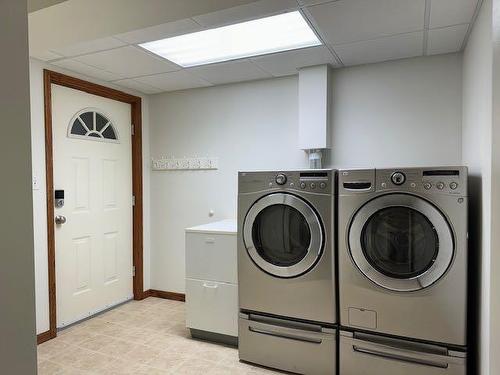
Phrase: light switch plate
[36,184]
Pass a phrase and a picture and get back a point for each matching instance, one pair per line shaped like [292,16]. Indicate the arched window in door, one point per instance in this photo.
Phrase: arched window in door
[91,124]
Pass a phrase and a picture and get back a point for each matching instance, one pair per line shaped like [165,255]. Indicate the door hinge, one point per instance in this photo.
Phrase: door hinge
[133,270]
[133,200]
[132,129]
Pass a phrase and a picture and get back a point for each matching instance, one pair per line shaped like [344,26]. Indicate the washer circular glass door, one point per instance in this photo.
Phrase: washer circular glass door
[401,242]
[283,235]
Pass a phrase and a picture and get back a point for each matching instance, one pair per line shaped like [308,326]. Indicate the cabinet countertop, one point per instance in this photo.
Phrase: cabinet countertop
[227,226]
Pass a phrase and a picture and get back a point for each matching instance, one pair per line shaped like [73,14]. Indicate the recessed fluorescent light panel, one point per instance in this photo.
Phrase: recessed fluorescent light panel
[283,32]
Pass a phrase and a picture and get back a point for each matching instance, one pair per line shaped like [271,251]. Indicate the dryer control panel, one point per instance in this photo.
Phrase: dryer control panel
[433,180]
[314,181]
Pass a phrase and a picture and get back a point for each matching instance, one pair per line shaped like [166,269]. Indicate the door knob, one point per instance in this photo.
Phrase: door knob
[60,219]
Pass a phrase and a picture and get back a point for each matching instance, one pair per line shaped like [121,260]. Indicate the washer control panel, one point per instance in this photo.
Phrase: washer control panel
[439,180]
[398,178]
[447,180]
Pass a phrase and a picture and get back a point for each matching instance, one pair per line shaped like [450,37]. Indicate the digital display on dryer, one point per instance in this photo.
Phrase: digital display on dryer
[441,173]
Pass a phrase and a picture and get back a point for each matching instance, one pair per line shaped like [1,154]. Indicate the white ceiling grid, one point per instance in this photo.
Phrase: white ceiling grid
[353,32]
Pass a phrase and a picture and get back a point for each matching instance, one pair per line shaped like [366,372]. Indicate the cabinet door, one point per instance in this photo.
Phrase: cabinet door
[211,256]
[212,306]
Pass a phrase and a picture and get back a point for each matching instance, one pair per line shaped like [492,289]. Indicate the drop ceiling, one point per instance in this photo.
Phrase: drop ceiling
[353,32]
[34,5]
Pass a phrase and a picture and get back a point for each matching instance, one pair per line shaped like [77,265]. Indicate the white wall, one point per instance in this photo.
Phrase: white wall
[39,196]
[248,126]
[398,113]
[476,152]
[406,112]
[17,306]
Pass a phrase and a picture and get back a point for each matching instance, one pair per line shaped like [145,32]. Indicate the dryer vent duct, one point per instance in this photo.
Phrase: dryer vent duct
[314,112]
[315,157]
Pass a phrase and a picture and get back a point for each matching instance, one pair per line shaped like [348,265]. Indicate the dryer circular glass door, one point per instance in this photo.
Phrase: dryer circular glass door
[283,235]
[401,242]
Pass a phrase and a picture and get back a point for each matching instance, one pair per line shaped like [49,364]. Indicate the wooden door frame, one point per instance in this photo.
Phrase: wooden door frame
[50,78]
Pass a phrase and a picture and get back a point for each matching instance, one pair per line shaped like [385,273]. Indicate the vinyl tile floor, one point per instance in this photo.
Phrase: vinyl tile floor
[138,337]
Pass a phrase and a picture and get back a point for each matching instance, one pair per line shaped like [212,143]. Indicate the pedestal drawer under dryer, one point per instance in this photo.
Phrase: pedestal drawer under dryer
[375,355]
[300,348]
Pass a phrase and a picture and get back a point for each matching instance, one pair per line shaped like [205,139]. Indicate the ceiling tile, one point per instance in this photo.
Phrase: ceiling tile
[91,46]
[138,86]
[451,12]
[46,55]
[227,72]
[382,49]
[288,63]
[313,2]
[348,21]
[35,5]
[446,40]
[128,62]
[158,32]
[245,12]
[173,81]
[87,70]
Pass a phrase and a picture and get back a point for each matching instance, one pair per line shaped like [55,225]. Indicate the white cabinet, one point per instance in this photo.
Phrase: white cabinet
[212,306]
[211,279]
[211,256]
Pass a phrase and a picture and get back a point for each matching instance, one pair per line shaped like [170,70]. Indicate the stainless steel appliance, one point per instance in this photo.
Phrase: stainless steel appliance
[362,353]
[286,270]
[284,344]
[403,252]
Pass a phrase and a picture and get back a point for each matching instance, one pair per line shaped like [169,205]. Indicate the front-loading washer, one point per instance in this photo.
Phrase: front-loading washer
[286,270]
[403,252]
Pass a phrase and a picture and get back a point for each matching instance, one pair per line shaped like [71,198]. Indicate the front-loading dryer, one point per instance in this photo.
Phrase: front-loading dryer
[403,252]
[286,270]
[285,244]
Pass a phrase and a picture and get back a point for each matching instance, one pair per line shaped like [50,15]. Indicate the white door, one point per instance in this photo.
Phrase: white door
[93,165]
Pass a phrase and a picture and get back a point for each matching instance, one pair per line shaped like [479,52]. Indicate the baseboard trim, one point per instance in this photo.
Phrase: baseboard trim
[45,336]
[166,295]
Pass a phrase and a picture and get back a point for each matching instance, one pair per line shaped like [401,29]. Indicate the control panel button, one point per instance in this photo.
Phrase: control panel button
[440,185]
[313,185]
[453,185]
[292,184]
[322,185]
[427,185]
[383,185]
[413,184]
[281,179]
[398,178]
[302,185]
